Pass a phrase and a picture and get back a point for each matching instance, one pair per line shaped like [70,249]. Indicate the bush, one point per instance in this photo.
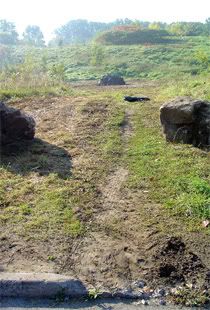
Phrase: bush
[133,35]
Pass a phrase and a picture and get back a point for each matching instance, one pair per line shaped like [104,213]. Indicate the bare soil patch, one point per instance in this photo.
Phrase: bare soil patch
[126,128]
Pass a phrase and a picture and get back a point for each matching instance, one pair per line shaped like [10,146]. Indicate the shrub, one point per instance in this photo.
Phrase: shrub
[133,35]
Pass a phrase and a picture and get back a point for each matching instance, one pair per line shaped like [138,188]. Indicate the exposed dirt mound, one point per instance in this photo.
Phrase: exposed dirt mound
[174,263]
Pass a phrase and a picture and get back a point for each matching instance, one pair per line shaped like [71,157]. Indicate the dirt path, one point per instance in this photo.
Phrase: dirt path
[126,237]
[126,128]
[126,242]
[114,251]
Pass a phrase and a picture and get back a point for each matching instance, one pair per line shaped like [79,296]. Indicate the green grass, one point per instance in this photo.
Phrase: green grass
[177,175]
[112,146]
[38,212]
[196,87]
[80,62]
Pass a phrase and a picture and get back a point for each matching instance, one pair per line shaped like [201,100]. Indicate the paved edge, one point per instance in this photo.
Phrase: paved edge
[49,285]
[40,285]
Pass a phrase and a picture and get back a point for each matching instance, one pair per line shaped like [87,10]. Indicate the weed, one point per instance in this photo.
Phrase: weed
[191,297]
[51,258]
[93,293]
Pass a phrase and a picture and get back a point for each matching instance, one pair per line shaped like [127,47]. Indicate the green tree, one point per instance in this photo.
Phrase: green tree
[157,26]
[8,34]
[132,35]
[33,36]
[5,56]
[78,31]
[187,28]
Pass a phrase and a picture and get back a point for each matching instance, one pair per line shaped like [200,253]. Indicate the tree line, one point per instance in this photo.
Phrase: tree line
[82,31]
[31,36]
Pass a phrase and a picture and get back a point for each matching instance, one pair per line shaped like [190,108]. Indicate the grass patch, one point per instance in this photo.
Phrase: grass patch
[177,175]
[112,146]
[190,297]
[42,195]
[14,92]
[38,211]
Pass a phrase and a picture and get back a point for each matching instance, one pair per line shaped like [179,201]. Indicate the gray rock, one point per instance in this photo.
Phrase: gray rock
[186,120]
[140,284]
[179,111]
[129,294]
[111,79]
[159,293]
[162,302]
[145,302]
[15,125]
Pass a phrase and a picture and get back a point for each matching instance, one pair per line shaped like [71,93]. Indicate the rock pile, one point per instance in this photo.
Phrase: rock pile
[186,120]
[15,125]
[111,79]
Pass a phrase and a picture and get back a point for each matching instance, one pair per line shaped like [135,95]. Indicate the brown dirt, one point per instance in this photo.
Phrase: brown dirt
[174,263]
[127,237]
[126,128]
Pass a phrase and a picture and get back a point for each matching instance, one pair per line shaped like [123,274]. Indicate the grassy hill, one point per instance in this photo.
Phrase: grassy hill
[153,61]
[50,70]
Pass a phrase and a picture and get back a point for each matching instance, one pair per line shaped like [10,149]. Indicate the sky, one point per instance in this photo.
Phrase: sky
[50,14]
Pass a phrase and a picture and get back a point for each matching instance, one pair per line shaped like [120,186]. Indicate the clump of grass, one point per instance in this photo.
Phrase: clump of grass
[94,293]
[48,210]
[193,197]
[192,297]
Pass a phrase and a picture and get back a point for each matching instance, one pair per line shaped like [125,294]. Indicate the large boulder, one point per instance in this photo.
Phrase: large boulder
[15,125]
[111,79]
[186,120]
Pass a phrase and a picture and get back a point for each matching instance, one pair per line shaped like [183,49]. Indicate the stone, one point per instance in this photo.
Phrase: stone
[139,284]
[111,79]
[129,294]
[15,125]
[162,302]
[186,120]
[159,293]
[144,302]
